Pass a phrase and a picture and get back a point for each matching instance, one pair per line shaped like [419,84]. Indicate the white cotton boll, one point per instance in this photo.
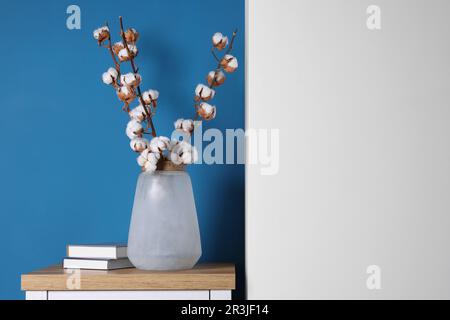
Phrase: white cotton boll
[177,124]
[97,32]
[148,160]
[175,158]
[159,144]
[146,97]
[233,63]
[126,94]
[125,90]
[101,34]
[187,158]
[110,76]
[107,79]
[150,96]
[145,153]
[172,145]
[123,55]
[206,111]
[183,153]
[117,47]
[217,77]
[133,49]
[134,129]
[219,41]
[113,72]
[177,148]
[141,160]
[190,155]
[153,157]
[229,63]
[204,93]
[217,37]
[138,113]
[188,125]
[149,167]
[123,52]
[199,89]
[130,79]
[154,94]
[207,108]
[165,140]
[139,144]
[131,35]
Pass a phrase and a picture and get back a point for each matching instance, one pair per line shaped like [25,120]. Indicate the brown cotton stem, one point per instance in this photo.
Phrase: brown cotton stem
[230,47]
[214,54]
[116,64]
[135,70]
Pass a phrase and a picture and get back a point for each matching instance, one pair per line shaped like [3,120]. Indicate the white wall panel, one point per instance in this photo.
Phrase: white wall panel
[364,173]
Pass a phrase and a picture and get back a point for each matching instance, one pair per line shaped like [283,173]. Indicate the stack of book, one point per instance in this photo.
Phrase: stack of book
[97,257]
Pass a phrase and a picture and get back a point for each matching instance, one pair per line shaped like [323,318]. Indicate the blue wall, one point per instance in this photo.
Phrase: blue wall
[67,174]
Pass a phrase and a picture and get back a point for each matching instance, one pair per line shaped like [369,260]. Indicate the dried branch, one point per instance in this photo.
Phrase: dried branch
[109,46]
[230,47]
[135,70]
[219,65]
[214,54]
[217,70]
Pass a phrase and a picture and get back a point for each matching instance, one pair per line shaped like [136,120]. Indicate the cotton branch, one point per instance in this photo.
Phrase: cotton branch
[215,55]
[219,66]
[127,88]
[109,46]
[135,70]
[217,70]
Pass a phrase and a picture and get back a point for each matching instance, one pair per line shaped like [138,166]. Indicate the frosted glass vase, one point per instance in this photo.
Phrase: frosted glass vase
[164,232]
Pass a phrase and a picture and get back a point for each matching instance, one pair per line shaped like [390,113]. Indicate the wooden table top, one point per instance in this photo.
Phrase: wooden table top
[201,277]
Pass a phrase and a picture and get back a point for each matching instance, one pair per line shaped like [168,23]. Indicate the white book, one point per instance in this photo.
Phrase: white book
[97,251]
[97,264]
